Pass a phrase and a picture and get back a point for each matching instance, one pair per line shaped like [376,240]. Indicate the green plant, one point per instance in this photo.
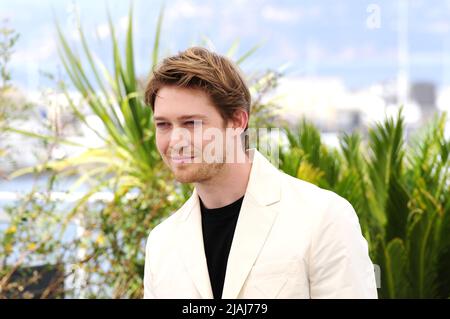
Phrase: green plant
[9,108]
[401,194]
[7,43]
[34,236]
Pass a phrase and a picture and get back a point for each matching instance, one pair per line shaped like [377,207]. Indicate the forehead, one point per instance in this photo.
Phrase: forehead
[177,102]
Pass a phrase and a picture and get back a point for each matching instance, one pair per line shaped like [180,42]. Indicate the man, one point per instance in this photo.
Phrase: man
[248,230]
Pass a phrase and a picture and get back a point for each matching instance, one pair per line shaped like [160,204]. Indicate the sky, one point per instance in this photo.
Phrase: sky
[354,40]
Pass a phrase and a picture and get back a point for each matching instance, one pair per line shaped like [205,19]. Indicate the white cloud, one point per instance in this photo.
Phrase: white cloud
[443,100]
[279,14]
[188,9]
[288,14]
[240,2]
[102,31]
[39,50]
[123,23]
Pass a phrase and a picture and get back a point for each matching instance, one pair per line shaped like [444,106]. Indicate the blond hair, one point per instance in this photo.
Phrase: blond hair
[199,68]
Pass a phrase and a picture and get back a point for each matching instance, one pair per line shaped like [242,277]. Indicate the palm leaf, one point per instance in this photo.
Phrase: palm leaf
[392,259]
[421,249]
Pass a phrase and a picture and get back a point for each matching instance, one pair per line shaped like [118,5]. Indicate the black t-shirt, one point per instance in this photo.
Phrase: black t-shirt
[218,226]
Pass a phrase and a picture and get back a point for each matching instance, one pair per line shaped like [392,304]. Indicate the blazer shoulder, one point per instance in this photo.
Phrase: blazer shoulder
[165,230]
[323,202]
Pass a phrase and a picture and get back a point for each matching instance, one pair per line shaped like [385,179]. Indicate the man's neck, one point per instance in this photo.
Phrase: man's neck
[226,187]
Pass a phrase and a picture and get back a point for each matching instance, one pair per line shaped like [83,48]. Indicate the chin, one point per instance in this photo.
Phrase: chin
[186,178]
[195,173]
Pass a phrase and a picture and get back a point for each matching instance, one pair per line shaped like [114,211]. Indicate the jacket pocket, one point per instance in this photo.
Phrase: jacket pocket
[273,269]
[280,279]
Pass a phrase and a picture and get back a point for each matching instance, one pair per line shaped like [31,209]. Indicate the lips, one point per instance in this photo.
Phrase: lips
[182,159]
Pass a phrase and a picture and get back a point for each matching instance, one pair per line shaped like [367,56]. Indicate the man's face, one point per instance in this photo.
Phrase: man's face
[178,114]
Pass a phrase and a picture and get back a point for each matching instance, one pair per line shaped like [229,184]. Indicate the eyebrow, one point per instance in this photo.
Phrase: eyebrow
[181,118]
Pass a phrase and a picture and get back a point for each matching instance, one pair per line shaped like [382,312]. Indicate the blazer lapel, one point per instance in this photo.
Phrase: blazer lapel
[254,223]
[253,226]
[191,247]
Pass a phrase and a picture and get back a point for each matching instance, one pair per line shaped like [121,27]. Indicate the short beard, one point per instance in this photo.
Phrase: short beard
[201,174]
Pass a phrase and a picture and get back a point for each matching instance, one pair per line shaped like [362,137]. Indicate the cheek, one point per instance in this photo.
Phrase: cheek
[161,142]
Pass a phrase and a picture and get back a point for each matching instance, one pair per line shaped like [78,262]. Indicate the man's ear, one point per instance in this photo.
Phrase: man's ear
[239,121]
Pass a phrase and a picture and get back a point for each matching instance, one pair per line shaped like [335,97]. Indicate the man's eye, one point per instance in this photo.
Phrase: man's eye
[193,123]
[162,125]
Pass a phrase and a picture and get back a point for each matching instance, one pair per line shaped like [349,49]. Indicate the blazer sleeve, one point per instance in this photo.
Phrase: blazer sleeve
[148,277]
[340,266]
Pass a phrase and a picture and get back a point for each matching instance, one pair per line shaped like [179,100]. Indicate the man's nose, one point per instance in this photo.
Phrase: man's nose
[179,138]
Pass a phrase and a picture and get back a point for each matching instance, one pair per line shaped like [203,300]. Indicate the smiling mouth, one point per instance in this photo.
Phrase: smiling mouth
[182,159]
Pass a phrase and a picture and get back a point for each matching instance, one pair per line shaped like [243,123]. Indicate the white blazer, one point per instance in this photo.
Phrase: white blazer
[292,240]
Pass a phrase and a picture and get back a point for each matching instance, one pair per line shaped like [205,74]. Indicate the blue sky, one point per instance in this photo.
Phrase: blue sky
[317,38]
